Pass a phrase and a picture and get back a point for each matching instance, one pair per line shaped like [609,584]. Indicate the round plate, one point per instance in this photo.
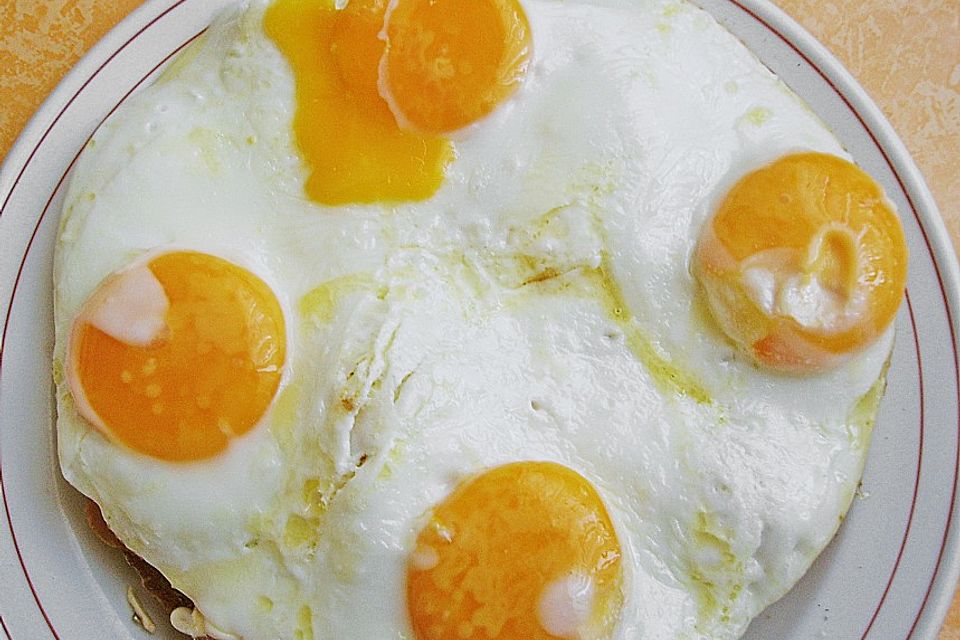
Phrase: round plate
[889,573]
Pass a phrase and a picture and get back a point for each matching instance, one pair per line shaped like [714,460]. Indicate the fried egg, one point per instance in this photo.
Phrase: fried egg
[435,319]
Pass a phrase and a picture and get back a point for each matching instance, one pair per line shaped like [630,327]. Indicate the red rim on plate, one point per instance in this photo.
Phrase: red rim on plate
[889,574]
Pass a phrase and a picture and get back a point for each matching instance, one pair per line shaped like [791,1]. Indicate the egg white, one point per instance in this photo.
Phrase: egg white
[539,307]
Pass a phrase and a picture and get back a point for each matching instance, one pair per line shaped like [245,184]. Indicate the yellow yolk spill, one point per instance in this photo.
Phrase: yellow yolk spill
[353,148]
[207,373]
[434,68]
[526,550]
[804,262]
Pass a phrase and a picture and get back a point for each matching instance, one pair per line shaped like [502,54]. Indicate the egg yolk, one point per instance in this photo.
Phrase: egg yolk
[176,356]
[349,139]
[804,262]
[451,62]
[370,112]
[525,550]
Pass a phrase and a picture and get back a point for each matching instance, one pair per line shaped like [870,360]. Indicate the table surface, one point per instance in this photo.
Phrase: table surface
[906,53]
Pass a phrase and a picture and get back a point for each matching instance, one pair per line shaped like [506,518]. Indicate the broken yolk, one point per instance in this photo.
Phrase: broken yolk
[451,62]
[804,262]
[526,550]
[370,112]
[349,139]
[176,356]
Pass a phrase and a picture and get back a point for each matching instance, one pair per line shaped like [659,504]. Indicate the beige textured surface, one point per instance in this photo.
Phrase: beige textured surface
[39,41]
[906,53]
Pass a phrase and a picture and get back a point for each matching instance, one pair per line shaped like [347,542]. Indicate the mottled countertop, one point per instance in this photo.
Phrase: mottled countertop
[906,53]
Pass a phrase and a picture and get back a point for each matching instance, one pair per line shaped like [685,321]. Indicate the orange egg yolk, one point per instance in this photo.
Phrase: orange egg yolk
[434,73]
[804,262]
[524,550]
[451,62]
[176,356]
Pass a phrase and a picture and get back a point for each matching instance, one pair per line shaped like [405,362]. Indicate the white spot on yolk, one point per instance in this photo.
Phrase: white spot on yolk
[804,263]
[565,606]
[130,307]
[424,558]
[818,294]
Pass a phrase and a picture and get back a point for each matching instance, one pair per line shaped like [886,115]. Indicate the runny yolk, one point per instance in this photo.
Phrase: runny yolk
[451,62]
[370,112]
[349,139]
[804,262]
[176,356]
[525,550]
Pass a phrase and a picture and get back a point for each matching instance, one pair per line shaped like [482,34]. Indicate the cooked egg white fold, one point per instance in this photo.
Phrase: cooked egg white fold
[539,307]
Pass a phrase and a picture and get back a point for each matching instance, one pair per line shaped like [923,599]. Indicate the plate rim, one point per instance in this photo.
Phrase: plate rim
[942,588]
[87,67]
[943,584]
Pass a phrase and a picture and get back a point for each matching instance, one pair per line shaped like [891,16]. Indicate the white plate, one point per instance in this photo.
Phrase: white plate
[889,574]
